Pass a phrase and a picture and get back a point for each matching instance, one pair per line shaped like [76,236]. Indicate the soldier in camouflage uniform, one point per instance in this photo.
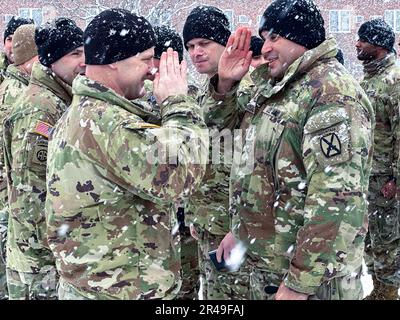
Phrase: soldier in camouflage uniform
[31,272]
[109,205]
[169,38]
[205,34]
[299,183]
[6,57]
[382,84]
[14,85]
[3,65]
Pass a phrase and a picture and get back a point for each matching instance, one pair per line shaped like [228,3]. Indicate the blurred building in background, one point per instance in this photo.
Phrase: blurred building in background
[342,17]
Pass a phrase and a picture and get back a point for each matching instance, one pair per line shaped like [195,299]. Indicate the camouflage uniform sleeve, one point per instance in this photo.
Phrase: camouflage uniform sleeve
[148,103]
[29,147]
[336,148]
[161,163]
[225,111]
[394,123]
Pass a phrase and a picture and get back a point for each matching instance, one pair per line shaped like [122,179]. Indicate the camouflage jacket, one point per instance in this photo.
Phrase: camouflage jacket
[3,65]
[109,202]
[149,96]
[382,84]
[148,103]
[208,207]
[26,133]
[11,88]
[299,182]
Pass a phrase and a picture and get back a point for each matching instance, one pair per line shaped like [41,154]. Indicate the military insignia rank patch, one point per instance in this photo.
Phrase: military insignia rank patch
[330,145]
[41,155]
[327,138]
[37,157]
[43,129]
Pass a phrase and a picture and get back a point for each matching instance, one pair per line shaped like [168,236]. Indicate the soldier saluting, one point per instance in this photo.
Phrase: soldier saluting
[109,207]
[298,186]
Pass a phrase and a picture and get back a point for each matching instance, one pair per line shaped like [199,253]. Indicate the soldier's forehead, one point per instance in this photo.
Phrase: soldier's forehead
[148,52]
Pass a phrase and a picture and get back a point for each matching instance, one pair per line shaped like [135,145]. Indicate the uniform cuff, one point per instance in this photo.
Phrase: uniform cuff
[292,283]
[218,96]
[181,105]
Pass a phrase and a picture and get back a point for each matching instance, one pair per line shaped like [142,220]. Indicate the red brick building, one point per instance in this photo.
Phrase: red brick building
[342,17]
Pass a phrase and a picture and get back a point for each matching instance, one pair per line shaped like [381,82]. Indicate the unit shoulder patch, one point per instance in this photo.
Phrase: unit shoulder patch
[331,145]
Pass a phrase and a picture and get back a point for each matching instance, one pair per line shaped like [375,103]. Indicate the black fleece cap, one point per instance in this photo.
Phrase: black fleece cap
[297,20]
[206,22]
[167,38]
[378,33]
[57,38]
[115,35]
[13,25]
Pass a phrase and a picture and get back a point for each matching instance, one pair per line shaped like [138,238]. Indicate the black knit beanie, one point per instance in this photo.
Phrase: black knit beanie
[378,33]
[297,20]
[115,35]
[256,45]
[206,22]
[13,25]
[167,38]
[57,38]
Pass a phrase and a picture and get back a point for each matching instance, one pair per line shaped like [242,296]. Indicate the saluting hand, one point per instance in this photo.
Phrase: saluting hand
[171,78]
[235,60]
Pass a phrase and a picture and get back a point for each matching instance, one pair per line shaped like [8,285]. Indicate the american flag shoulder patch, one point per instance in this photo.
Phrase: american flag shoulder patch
[43,128]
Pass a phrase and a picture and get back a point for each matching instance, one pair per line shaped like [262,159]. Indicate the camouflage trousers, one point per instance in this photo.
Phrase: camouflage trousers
[3,242]
[218,285]
[190,266]
[264,285]
[382,244]
[33,286]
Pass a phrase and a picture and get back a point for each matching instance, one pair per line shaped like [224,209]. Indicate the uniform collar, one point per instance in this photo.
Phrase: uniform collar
[374,67]
[45,77]
[268,87]
[86,87]
[14,72]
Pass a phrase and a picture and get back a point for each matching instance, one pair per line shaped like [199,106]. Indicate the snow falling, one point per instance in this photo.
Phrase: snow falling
[341,23]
